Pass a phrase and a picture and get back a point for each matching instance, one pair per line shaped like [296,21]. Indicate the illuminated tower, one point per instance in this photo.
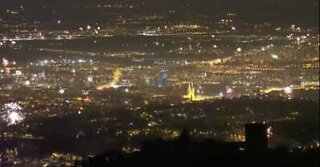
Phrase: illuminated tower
[116,78]
[163,79]
[191,94]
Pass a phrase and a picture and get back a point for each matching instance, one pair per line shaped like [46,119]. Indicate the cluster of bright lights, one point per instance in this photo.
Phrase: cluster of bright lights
[112,84]
[229,90]
[239,49]
[5,62]
[11,113]
[288,90]
[269,132]
[274,56]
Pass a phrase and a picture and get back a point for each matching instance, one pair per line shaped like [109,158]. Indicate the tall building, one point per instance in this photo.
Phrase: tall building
[163,79]
[256,137]
[191,94]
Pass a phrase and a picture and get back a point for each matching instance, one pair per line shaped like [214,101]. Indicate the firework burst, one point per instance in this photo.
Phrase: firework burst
[11,113]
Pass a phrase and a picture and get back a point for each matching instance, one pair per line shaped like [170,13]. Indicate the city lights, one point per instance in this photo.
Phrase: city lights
[288,90]
[144,78]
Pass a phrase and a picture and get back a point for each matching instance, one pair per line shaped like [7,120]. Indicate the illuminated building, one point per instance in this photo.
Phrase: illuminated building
[160,81]
[191,94]
[116,78]
[163,79]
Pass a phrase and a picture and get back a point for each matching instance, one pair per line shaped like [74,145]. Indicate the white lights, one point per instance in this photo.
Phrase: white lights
[274,56]
[229,90]
[5,62]
[62,91]
[288,90]
[11,114]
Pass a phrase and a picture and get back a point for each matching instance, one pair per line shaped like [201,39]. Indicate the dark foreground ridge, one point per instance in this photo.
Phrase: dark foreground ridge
[187,152]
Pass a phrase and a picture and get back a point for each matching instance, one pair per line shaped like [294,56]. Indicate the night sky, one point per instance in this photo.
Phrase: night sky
[279,11]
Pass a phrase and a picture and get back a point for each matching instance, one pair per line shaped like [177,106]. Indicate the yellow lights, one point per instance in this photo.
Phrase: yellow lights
[175,134]
[269,132]
[237,137]
[116,78]
[287,90]
[134,132]
[218,61]
[191,94]
[185,26]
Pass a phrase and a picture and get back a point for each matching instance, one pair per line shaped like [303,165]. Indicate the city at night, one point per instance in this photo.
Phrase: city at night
[131,83]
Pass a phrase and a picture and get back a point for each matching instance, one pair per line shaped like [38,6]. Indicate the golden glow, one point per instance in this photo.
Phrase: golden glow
[289,89]
[191,94]
[116,78]
[269,132]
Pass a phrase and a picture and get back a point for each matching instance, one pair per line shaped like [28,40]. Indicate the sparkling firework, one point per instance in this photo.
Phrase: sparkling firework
[5,62]
[12,114]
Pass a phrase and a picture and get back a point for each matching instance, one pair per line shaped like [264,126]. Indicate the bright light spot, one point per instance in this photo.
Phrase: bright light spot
[229,90]
[278,29]
[5,62]
[90,79]
[26,83]
[269,131]
[274,56]
[81,61]
[116,78]
[11,114]
[218,61]
[115,86]
[239,49]
[126,90]
[14,118]
[62,91]
[288,90]
[18,72]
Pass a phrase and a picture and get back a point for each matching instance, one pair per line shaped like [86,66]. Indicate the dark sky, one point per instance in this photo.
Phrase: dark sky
[291,11]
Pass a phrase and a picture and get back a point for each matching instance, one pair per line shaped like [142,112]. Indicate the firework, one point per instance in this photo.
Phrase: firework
[11,113]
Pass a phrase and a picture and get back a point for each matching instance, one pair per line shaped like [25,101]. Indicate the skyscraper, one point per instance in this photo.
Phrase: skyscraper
[163,79]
